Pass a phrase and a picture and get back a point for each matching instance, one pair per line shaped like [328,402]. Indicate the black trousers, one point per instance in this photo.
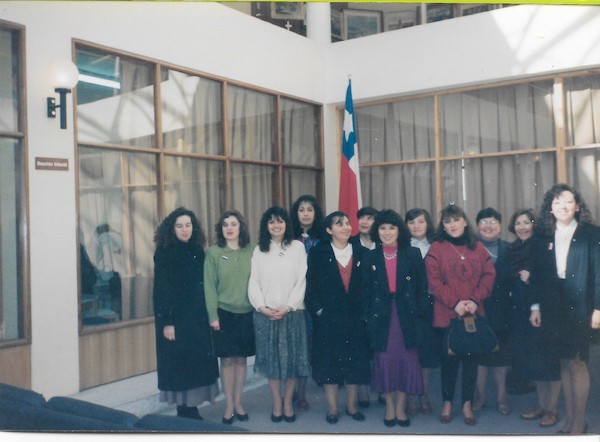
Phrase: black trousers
[450,366]
[450,369]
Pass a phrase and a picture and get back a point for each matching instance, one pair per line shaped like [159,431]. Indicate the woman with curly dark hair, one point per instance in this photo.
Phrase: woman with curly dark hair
[461,276]
[276,290]
[226,274]
[395,296]
[565,290]
[187,370]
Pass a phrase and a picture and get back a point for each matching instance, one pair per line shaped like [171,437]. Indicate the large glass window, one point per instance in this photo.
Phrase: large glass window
[500,146]
[12,274]
[208,145]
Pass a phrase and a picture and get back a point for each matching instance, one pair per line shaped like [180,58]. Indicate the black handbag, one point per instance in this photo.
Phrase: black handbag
[470,336]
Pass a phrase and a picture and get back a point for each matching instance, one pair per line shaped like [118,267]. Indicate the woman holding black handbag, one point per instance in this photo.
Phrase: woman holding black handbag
[460,275]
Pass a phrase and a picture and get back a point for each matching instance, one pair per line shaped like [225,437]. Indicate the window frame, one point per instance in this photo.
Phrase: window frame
[161,152]
[560,114]
[22,196]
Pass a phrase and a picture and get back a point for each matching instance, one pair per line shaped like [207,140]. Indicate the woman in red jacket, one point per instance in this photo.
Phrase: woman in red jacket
[460,275]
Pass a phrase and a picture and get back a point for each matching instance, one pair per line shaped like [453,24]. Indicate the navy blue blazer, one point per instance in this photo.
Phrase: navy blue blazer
[411,296]
[582,282]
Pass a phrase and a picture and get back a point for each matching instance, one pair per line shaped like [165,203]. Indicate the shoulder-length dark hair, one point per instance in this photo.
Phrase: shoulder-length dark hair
[264,237]
[513,219]
[329,221]
[415,213]
[453,211]
[547,221]
[316,230]
[244,238]
[388,216]
[165,234]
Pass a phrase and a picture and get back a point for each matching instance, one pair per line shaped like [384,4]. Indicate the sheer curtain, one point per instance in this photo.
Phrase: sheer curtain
[496,120]
[582,97]
[398,131]
[252,130]
[118,207]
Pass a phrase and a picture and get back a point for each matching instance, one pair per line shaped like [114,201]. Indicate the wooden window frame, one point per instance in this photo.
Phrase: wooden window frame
[161,153]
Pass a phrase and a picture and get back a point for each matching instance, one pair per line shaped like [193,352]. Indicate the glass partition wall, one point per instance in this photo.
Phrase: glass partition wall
[500,146]
[153,137]
[14,316]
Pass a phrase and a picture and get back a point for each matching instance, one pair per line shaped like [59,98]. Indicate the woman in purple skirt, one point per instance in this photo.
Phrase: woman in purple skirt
[395,296]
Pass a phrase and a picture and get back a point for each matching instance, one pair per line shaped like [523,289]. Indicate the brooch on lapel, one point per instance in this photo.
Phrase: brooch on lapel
[374,268]
[225,258]
[550,246]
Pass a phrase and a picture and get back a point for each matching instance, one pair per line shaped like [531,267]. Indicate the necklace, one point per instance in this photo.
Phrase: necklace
[386,256]
[462,256]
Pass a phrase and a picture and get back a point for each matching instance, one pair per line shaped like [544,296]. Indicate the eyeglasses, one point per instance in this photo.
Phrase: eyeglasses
[492,222]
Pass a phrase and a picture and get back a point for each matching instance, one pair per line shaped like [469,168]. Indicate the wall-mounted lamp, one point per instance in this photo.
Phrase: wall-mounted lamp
[63,75]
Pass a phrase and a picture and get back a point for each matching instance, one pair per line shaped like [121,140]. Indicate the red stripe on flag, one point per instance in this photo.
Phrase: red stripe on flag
[348,202]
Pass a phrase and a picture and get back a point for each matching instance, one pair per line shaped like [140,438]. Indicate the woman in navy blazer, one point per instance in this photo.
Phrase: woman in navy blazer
[565,292]
[395,296]
[340,350]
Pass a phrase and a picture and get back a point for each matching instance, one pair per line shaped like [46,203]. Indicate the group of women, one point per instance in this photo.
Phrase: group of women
[374,308]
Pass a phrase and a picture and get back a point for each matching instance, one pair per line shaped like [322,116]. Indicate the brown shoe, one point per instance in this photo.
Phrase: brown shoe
[445,418]
[550,419]
[536,413]
[303,405]
[470,420]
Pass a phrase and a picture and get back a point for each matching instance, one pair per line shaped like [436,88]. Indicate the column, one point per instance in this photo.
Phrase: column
[318,21]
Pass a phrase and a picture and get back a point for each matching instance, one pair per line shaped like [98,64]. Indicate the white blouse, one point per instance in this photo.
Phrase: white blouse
[278,277]
[421,245]
[343,255]
[562,242]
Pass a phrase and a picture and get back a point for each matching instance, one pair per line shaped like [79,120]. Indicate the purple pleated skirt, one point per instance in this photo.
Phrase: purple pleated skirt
[397,369]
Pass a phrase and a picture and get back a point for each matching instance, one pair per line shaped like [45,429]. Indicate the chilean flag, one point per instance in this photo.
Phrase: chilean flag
[350,194]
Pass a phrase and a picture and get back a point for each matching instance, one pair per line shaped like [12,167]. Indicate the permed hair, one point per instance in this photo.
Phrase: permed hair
[547,222]
[414,214]
[488,213]
[453,211]
[518,213]
[244,237]
[264,237]
[316,230]
[165,233]
[388,216]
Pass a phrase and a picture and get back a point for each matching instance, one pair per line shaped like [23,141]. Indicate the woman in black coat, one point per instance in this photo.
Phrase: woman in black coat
[395,296]
[340,351]
[187,370]
[565,284]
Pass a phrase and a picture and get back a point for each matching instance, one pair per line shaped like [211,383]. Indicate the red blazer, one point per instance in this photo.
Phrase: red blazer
[452,279]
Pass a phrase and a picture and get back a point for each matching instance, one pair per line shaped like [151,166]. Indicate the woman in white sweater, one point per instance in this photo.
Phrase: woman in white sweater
[276,291]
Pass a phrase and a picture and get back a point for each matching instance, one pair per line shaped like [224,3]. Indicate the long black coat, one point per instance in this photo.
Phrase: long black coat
[569,314]
[498,305]
[412,300]
[340,350]
[188,361]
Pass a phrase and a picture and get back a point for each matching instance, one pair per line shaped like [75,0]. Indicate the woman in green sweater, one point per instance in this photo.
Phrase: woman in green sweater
[226,274]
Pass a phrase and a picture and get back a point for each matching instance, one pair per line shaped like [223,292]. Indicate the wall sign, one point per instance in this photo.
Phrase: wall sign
[51,163]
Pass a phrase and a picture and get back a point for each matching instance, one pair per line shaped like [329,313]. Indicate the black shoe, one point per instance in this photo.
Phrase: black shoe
[276,418]
[291,418]
[189,412]
[228,421]
[389,423]
[364,404]
[404,423]
[332,418]
[242,417]
[358,416]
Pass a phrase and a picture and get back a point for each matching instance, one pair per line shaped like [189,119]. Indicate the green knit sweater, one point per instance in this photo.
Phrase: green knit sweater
[226,274]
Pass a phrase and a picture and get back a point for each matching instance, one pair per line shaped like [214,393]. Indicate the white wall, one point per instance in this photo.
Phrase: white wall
[516,41]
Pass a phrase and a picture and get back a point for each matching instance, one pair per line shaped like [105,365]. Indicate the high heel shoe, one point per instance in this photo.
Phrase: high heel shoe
[228,421]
